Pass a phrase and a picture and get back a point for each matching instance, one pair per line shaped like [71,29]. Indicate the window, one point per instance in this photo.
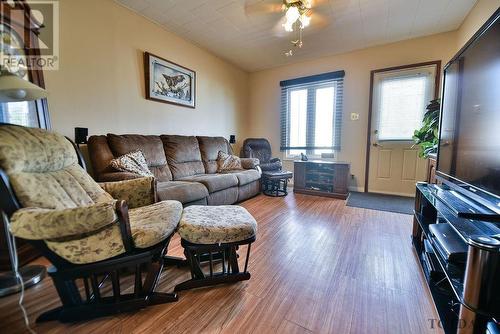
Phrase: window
[401,98]
[30,113]
[20,113]
[311,114]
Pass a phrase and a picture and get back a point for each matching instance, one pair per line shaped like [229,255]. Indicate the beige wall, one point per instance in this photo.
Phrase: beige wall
[100,83]
[475,19]
[264,88]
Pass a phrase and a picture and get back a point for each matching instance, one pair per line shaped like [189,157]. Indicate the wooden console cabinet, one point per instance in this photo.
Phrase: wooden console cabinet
[322,178]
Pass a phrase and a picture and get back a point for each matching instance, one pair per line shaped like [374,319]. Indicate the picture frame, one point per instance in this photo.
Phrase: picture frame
[169,82]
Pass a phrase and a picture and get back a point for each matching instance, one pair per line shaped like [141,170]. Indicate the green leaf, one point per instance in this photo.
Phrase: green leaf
[427,136]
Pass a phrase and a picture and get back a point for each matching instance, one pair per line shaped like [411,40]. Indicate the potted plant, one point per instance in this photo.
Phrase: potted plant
[427,136]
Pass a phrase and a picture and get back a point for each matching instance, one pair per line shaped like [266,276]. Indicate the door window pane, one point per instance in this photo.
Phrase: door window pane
[402,106]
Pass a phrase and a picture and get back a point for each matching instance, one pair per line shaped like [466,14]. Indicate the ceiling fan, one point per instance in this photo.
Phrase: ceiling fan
[298,14]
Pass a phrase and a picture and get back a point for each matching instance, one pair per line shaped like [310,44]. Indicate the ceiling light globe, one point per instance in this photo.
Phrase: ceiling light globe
[288,26]
[292,14]
[304,20]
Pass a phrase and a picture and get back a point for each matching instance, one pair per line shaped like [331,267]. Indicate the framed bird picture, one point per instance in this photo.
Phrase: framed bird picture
[168,82]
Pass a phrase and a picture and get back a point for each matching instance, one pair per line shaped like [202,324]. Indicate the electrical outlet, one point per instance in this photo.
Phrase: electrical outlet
[354,116]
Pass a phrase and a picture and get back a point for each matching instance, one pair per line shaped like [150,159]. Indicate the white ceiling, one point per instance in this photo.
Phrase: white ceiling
[222,27]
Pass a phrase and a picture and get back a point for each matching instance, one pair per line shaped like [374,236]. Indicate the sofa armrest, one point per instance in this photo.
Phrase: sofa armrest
[118,176]
[40,224]
[137,192]
[249,163]
[271,166]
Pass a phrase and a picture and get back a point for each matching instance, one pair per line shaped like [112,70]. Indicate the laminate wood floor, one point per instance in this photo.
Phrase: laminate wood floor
[317,267]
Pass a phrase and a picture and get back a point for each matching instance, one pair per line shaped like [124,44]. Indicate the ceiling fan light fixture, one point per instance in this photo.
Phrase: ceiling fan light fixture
[288,26]
[304,20]
[292,15]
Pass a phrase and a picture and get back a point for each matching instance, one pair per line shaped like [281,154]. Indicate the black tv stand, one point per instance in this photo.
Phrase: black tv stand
[467,296]
[462,206]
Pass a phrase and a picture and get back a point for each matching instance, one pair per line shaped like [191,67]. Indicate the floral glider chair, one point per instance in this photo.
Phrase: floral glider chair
[92,233]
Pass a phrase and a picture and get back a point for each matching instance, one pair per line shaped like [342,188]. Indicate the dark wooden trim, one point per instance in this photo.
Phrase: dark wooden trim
[388,69]
[197,254]
[337,75]
[147,82]
[123,219]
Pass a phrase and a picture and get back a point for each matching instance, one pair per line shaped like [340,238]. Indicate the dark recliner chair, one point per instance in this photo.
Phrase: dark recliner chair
[261,149]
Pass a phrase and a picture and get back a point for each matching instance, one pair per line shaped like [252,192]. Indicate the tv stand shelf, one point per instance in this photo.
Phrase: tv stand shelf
[467,296]
[321,178]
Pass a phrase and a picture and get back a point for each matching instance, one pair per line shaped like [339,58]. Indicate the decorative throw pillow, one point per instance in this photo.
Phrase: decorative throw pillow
[133,162]
[227,162]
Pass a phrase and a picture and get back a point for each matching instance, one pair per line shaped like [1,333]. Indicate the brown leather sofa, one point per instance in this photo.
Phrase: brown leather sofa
[185,167]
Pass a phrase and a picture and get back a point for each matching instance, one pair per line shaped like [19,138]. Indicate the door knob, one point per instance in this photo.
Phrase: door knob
[377,145]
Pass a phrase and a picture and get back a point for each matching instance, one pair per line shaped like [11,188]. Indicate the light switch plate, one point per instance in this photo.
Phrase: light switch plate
[354,116]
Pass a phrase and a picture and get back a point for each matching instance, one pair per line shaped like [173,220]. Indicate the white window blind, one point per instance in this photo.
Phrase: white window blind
[401,101]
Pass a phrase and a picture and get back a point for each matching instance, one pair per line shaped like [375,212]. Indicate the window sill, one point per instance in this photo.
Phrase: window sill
[310,158]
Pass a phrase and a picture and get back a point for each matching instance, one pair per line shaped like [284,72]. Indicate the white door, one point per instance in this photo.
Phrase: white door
[398,104]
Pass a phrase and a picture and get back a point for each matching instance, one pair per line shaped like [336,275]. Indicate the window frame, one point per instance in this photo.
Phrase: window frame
[30,30]
[311,86]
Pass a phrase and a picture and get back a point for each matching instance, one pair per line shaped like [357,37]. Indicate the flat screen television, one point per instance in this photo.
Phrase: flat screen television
[469,133]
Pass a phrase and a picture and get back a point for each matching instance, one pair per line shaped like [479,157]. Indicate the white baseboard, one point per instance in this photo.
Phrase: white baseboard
[357,189]
[351,188]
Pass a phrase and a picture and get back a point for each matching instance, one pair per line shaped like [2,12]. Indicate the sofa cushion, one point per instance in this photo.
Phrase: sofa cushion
[39,224]
[183,155]
[226,196]
[227,162]
[150,146]
[181,191]
[246,176]
[133,162]
[214,182]
[216,224]
[152,224]
[104,244]
[209,148]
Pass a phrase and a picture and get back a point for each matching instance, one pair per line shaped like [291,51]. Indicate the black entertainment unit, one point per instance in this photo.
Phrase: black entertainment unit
[465,289]
[456,225]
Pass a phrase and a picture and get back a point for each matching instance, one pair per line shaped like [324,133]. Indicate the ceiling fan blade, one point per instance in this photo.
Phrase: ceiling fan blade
[278,29]
[318,21]
[261,8]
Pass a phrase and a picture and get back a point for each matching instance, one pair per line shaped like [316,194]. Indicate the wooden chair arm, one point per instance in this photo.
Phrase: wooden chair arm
[123,220]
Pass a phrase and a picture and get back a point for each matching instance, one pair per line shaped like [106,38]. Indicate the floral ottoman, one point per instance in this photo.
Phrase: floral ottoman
[211,237]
